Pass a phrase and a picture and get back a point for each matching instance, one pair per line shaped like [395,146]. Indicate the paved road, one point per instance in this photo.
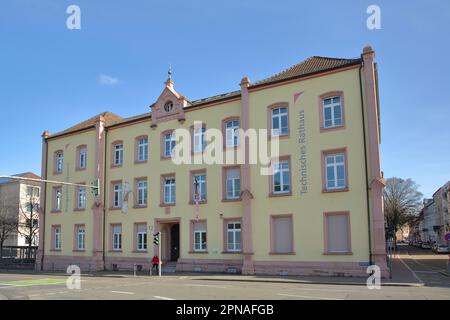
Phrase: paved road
[427,266]
[193,287]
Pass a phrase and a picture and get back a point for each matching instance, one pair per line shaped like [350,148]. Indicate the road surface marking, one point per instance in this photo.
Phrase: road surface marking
[122,292]
[162,298]
[205,285]
[307,297]
[414,274]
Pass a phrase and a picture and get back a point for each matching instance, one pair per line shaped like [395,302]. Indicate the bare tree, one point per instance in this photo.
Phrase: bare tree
[402,202]
[8,220]
[28,225]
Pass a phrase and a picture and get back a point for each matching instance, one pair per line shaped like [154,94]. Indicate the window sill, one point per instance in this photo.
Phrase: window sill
[55,250]
[232,200]
[282,253]
[78,250]
[139,251]
[346,189]
[114,209]
[55,211]
[338,253]
[57,173]
[167,205]
[198,252]
[80,169]
[166,158]
[280,137]
[323,129]
[231,252]
[200,202]
[115,251]
[114,166]
[79,210]
[276,195]
[140,207]
[140,162]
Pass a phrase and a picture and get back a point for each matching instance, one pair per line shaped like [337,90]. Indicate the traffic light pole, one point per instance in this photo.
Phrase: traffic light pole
[159,254]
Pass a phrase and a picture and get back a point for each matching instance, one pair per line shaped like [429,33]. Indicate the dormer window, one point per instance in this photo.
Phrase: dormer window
[168,107]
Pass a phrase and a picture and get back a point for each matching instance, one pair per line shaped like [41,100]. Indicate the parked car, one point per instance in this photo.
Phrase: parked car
[425,245]
[442,249]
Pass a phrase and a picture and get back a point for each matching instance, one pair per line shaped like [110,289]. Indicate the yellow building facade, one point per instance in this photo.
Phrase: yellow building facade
[319,213]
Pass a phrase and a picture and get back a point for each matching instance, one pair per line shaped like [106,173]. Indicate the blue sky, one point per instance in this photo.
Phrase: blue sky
[52,77]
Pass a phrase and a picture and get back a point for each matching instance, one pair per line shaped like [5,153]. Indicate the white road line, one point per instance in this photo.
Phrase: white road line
[306,297]
[205,285]
[414,274]
[122,292]
[162,298]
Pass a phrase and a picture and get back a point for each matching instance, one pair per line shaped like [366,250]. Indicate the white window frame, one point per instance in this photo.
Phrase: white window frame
[278,168]
[117,239]
[117,193]
[81,198]
[236,247]
[235,194]
[59,162]
[83,158]
[232,133]
[118,154]
[169,186]
[202,186]
[58,198]
[141,241]
[199,139]
[57,234]
[81,235]
[278,118]
[201,246]
[142,190]
[335,166]
[169,141]
[332,106]
[142,149]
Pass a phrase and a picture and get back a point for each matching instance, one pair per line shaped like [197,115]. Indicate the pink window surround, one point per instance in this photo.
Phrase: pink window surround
[192,224]
[53,247]
[224,131]
[347,232]
[161,190]
[329,152]
[75,237]
[162,144]
[136,192]
[76,208]
[269,119]
[111,194]
[115,143]
[193,173]
[77,160]
[327,95]
[111,240]
[136,149]
[271,193]
[225,234]
[54,191]
[55,162]
[225,168]
[191,130]
[287,248]
[135,233]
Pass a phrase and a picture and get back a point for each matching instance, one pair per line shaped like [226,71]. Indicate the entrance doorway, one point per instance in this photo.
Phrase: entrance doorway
[174,242]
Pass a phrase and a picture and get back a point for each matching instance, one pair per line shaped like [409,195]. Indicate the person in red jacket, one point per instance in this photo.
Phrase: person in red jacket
[155,262]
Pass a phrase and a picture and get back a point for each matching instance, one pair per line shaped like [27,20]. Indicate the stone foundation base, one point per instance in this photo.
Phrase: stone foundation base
[209,265]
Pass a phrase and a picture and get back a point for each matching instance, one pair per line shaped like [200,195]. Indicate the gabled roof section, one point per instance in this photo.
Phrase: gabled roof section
[110,119]
[30,175]
[309,66]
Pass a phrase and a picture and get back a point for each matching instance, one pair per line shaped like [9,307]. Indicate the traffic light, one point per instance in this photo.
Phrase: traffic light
[95,187]
[156,237]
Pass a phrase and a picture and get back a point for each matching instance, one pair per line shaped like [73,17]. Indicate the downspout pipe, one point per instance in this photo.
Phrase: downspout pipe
[104,198]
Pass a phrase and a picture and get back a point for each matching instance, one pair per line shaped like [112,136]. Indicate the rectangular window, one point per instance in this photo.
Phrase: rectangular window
[335,171]
[169,190]
[200,236]
[281,177]
[232,133]
[118,154]
[142,193]
[59,162]
[199,182]
[33,192]
[81,198]
[332,112]
[199,139]
[141,237]
[169,144]
[83,158]
[280,125]
[58,195]
[233,184]
[142,149]
[117,237]
[338,233]
[234,236]
[81,238]
[282,234]
[57,239]
[117,195]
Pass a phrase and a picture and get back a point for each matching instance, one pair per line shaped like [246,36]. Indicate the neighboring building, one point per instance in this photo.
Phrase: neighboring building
[17,194]
[441,221]
[403,233]
[429,221]
[321,213]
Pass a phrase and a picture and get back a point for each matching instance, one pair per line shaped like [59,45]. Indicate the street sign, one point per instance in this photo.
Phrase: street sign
[447,237]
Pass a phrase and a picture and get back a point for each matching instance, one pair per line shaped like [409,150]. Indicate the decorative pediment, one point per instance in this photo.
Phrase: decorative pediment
[170,105]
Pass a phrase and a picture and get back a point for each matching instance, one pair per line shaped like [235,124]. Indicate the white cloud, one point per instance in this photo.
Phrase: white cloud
[106,80]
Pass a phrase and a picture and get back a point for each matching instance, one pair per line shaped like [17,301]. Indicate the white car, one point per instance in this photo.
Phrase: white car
[442,249]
